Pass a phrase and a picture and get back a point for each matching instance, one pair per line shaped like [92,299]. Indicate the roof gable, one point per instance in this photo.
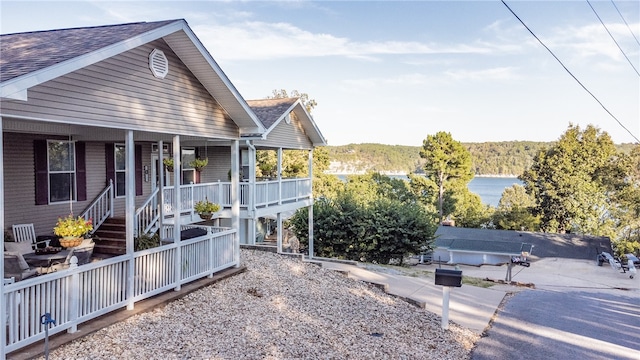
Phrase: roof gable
[30,59]
[272,112]
[26,53]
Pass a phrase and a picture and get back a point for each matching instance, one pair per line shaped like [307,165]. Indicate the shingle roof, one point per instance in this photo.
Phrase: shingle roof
[270,110]
[24,53]
[485,246]
[571,246]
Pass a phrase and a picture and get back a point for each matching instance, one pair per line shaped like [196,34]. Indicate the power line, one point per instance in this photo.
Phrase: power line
[625,22]
[612,38]
[569,72]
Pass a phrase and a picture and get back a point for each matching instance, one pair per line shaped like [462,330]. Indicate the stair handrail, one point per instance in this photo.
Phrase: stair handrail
[101,208]
[147,216]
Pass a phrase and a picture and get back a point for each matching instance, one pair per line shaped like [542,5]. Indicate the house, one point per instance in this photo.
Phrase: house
[458,245]
[88,117]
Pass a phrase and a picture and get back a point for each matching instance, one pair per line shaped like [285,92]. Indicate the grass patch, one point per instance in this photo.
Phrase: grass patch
[467,280]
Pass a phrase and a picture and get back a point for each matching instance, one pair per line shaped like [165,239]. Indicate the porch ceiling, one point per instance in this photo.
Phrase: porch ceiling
[89,133]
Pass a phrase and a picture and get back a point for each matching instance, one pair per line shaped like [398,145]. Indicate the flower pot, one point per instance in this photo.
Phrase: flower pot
[205,216]
[69,241]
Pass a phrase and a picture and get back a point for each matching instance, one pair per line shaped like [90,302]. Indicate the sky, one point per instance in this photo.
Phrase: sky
[393,72]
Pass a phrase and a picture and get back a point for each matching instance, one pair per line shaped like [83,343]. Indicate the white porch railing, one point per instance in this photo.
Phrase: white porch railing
[81,293]
[148,215]
[101,208]
[267,193]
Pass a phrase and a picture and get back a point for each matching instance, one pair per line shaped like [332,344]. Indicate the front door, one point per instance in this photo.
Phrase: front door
[155,173]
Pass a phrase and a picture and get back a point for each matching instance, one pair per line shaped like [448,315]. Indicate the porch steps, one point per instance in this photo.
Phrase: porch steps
[111,237]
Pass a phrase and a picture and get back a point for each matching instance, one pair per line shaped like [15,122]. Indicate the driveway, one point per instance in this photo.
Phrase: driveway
[552,324]
[577,311]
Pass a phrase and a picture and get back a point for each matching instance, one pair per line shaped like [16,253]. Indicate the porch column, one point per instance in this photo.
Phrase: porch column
[251,231]
[311,206]
[3,319]
[280,232]
[177,210]
[279,176]
[130,212]
[235,199]
[161,176]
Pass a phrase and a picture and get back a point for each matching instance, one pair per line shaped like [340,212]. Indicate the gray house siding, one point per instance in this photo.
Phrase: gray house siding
[219,163]
[121,92]
[288,136]
[20,206]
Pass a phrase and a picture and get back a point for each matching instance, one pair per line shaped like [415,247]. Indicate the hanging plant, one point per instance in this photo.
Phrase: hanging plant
[168,163]
[73,227]
[198,164]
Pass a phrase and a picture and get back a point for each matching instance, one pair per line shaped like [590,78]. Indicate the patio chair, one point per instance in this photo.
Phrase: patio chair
[26,233]
[15,266]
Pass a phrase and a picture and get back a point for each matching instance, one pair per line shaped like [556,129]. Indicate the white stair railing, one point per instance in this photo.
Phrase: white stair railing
[147,218]
[101,208]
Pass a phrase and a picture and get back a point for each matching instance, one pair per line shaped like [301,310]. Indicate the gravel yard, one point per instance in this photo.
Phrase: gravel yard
[280,308]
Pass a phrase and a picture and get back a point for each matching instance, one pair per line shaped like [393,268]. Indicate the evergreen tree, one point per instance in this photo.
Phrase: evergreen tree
[448,163]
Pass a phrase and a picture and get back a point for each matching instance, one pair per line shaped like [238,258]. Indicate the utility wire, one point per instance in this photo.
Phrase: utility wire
[569,72]
[612,38]
[625,22]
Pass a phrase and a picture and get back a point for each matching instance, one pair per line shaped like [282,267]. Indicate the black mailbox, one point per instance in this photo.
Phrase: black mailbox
[449,277]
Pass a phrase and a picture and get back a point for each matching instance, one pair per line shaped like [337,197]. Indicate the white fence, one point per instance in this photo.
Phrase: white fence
[81,293]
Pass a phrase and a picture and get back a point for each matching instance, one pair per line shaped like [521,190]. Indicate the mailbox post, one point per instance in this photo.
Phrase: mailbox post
[448,279]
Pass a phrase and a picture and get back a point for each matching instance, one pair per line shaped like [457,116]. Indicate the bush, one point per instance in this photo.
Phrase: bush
[377,231]
[146,241]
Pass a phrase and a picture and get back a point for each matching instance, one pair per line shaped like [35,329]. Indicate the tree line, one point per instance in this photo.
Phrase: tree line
[506,158]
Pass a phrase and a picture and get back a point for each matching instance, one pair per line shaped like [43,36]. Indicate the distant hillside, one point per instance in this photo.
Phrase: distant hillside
[507,158]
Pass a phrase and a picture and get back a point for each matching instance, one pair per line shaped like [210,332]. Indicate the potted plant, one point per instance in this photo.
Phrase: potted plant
[199,164]
[72,230]
[168,164]
[206,209]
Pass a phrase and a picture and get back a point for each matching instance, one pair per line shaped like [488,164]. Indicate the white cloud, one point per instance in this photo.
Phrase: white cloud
[501,73]
[254,40]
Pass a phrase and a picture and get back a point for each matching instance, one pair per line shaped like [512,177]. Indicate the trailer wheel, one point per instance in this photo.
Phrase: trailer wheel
[630,276]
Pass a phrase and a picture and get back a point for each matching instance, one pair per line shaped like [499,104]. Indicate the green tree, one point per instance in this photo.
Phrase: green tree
[623,181]
[469,211]
[447,163]
[514,211]
[309,104]
[565,182]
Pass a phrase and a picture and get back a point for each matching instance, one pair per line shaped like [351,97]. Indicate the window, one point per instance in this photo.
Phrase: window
[115,162]
[120,156]
[188,172]
[61,170]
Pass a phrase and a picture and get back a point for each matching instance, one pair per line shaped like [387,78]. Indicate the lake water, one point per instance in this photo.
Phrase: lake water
[488,188]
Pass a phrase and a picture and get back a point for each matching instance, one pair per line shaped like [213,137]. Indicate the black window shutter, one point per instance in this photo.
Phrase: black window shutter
[138,161]
[197,179]
[81,171]
[42,173]
[110,162]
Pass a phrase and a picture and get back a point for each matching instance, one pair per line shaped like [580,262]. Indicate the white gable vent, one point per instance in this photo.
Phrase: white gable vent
[158,64]
[287,118]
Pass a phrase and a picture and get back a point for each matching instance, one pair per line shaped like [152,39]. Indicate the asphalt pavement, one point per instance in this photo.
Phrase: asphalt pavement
[552,324]
[556,308]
